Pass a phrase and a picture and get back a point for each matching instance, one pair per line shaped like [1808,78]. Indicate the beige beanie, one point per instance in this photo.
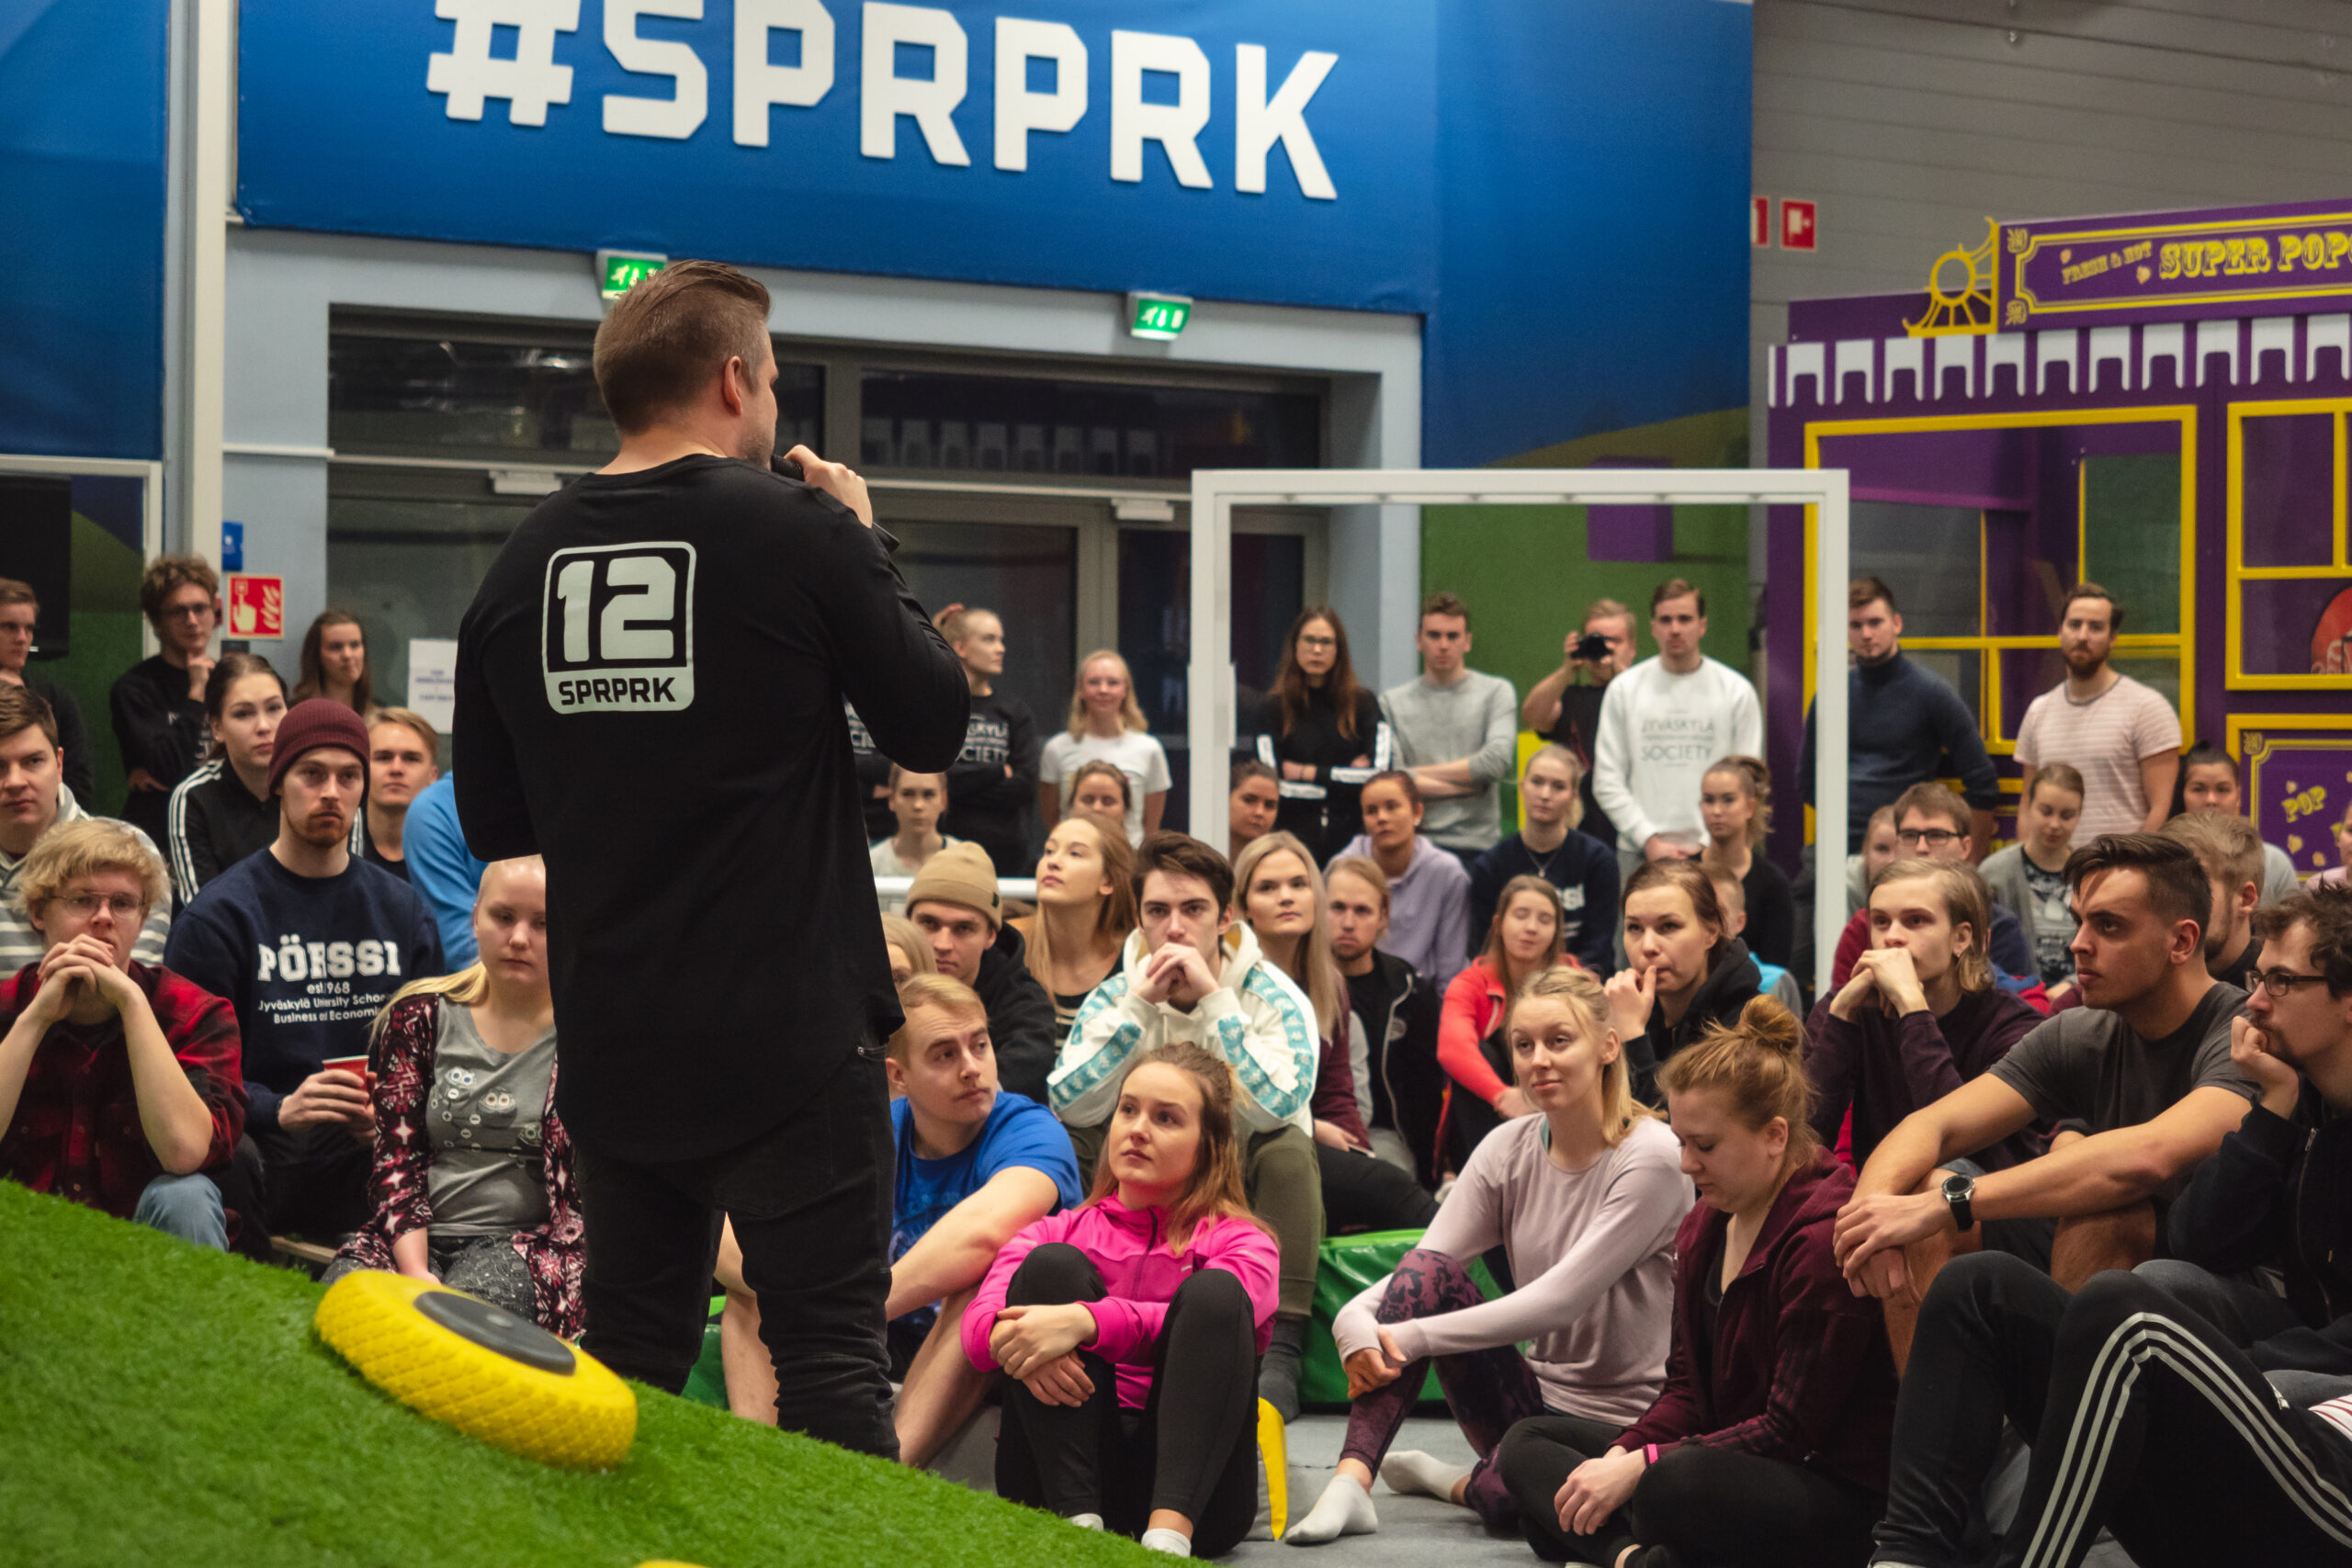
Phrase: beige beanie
[960,873]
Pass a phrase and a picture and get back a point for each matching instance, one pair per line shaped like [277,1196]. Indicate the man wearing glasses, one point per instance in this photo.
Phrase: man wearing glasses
[159,703]
[2138,1082]
[120,1080]
[2200,1414]
[1932,823]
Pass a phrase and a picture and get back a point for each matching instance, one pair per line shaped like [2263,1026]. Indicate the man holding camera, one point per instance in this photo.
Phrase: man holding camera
[1904,725]
[1565,706]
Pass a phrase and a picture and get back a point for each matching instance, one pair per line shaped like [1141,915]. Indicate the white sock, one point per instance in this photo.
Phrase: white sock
[1410,1469]
[1175,1544]
[1086,1521]
[1345,1508]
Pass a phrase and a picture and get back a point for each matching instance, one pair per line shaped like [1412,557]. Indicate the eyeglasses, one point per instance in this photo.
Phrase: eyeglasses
[187,611]
[2283,982]
[1318,642]
[1925,838]
[122,904]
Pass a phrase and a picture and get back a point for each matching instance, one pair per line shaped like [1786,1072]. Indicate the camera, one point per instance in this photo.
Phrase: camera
[1592,648]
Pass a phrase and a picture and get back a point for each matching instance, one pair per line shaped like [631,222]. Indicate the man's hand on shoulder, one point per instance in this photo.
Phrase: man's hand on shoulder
[839,481]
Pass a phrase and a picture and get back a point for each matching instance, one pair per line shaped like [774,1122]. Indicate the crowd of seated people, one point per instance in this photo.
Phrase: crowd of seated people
[1768,1291]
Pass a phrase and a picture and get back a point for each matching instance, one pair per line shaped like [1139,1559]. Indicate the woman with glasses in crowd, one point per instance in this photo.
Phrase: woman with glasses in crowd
[1321,731]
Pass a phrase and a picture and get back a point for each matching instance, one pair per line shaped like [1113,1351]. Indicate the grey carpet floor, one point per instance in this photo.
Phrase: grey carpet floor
[1414,1531]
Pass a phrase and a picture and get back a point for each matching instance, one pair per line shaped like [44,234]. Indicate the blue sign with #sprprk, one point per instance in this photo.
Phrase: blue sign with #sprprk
[1283,154]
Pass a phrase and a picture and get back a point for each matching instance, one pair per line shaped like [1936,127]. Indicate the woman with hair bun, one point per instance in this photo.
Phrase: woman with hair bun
[1768,1446]
[1584,1195]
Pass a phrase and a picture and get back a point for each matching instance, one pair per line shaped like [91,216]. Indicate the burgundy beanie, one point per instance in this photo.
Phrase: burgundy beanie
[313,723]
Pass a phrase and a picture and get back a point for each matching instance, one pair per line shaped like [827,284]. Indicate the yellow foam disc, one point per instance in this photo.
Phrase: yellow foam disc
[585,1418]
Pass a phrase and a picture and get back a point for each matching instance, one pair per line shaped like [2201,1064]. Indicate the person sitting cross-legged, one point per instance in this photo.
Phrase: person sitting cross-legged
[1130,1327]
[1181,981]
[1766,1447]
[472,1182]
[2216,1404]
[119,1080]
[2138,1079]
[974,1167]
[1585,1196]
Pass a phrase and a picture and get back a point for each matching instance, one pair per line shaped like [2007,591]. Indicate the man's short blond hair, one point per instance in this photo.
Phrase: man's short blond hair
[944,992]
[75,851]
[416,722]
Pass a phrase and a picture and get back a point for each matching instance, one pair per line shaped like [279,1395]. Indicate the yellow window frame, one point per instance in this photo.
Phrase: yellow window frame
[2237,573]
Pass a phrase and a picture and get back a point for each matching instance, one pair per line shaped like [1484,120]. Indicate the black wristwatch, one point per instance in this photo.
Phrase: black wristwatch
[1960,1194]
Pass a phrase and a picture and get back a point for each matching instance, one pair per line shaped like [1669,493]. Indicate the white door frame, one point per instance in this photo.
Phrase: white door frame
[1215,491]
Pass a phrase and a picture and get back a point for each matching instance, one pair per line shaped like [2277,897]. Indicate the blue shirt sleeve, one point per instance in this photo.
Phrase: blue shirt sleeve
[1028,1134]
[443,872]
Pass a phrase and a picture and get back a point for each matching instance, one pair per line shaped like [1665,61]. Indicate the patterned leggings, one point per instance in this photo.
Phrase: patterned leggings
[1486,1390]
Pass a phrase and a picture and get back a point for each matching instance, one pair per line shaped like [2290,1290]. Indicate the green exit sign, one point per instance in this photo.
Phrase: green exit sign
[618,271]
[1159,317]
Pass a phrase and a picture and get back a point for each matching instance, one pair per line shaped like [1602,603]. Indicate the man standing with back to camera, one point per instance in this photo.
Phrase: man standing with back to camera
[720,980]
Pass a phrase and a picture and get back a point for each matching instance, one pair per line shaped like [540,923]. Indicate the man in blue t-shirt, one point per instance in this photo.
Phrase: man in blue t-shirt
[307,943]
[975,1167]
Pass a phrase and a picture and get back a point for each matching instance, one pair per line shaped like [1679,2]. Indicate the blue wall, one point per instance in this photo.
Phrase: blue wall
[83,135]
[1593,255]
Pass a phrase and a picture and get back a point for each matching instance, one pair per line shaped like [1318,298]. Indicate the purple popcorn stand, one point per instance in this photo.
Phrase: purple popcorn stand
[2154,404]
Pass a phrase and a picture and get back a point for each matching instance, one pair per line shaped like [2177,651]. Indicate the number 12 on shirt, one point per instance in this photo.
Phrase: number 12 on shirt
[616,632]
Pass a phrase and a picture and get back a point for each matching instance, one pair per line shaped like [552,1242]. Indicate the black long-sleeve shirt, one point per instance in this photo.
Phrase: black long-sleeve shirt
[649,687]
[159,727]
[986,805]
[1324,809]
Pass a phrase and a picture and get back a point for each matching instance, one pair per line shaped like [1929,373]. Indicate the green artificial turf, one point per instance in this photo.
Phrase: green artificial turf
[160,1404]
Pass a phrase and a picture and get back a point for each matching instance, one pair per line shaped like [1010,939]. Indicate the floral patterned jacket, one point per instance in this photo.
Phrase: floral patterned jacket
[404,1064]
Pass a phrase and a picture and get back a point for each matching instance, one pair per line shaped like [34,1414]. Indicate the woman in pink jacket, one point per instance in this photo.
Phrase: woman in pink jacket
[1130,1327]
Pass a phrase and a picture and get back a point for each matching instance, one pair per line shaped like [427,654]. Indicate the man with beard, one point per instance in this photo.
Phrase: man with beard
[2123,737]
[307,943]
[1904,723]
[720,980]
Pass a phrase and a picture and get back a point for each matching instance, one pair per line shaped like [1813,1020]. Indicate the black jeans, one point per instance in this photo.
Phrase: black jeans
[1363,1192]
[314,1179]
[810,1199]
[1700,1506]
[1190,1447]
[2145,1419]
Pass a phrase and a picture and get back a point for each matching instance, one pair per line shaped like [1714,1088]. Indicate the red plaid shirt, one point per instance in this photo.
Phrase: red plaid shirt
[76,1130]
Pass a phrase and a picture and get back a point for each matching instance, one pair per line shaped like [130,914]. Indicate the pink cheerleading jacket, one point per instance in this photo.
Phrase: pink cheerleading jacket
[1129,1248]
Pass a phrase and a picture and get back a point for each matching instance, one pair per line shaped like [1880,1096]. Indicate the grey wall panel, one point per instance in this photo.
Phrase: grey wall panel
[1911,121]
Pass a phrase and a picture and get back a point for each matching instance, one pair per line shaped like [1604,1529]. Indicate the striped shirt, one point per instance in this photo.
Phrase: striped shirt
[2105,739]
[20,945]
[209,826]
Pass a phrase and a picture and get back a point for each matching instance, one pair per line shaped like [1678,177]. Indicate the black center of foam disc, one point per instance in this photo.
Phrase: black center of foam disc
[494,1328]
